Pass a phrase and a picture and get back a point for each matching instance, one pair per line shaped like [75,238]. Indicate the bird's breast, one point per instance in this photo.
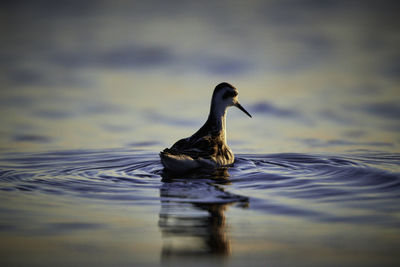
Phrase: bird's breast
[224,155]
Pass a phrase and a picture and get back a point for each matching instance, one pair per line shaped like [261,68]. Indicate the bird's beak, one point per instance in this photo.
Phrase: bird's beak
[242,109]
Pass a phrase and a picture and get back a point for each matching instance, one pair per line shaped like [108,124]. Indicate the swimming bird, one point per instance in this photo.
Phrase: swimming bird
[207,147]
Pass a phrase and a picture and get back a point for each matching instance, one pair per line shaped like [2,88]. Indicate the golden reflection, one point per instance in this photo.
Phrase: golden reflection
[192,216]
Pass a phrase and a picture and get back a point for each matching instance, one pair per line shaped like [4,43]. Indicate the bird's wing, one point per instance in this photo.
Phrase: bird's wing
[201,147]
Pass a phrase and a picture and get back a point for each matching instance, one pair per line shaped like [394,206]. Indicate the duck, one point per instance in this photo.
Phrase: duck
[206,148]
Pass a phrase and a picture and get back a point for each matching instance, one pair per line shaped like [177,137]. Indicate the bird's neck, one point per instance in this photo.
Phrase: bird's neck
[217,118]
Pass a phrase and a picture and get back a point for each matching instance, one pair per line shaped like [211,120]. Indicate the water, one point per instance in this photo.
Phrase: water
[109,207]
[91,91]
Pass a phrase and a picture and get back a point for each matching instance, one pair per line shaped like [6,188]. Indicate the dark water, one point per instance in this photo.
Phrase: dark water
[111,207]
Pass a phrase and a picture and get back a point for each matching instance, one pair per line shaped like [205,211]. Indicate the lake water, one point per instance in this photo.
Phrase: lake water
[91,91]
[118,207]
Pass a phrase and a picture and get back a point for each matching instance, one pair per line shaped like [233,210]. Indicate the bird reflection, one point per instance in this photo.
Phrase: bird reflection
[192,219]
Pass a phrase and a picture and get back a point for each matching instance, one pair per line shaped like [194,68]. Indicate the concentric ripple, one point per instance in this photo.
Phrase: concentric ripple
[91,174]
[340,188]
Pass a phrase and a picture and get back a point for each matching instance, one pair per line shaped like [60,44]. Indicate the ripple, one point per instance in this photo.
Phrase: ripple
[95,174]
[289,184]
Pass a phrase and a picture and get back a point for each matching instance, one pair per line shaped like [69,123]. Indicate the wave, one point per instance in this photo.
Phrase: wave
[321,187]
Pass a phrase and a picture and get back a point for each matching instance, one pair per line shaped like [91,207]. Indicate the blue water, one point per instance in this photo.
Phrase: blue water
[286,209]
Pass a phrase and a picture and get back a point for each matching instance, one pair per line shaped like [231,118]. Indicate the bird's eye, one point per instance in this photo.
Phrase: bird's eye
[229,94]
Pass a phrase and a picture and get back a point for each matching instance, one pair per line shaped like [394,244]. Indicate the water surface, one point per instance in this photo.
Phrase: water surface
[91,91]
[109,207]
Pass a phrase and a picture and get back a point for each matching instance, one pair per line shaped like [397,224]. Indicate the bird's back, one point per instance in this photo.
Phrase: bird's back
[205,151]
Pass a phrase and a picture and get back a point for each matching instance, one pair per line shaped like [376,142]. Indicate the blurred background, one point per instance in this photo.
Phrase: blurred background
[315,75]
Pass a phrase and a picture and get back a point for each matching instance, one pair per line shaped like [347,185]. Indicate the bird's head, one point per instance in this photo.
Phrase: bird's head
[225,95]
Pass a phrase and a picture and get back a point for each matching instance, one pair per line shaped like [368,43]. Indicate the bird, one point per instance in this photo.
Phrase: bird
[206,148]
